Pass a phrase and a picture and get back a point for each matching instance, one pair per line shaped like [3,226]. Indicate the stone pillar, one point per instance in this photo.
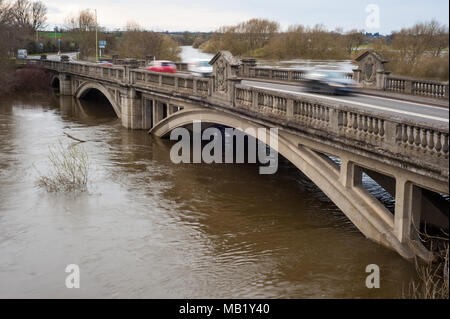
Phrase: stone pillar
[245,66]
[158,111]
[381,79]
[350,174]
[408,200]
[131,109]
[149,58]
[65,84]
[357,75]
[147,114]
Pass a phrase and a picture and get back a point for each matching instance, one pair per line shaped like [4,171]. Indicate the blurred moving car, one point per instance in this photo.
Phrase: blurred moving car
[104,63]
[200,68]
[162,66]
[329,82]
[22,54]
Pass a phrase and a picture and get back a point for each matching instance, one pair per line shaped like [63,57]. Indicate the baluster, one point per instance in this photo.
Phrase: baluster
[360,124]
[365,127]
[404,134]
[438,143]
[382,128]
[411,136]
[445,146]
[370,125]
[344,120]
[431,141]
[417,137]
[424,139]
[376,130]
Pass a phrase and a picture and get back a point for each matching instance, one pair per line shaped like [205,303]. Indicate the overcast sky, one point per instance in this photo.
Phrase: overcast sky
[208,15]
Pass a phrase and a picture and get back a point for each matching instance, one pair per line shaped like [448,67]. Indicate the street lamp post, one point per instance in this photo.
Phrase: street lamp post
[96,35]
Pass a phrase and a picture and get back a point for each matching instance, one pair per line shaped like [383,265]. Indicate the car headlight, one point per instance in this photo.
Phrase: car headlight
[337,85]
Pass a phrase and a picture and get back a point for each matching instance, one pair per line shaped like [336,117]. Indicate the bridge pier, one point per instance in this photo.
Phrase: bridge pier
[65,84]
[406,157]
[134,115]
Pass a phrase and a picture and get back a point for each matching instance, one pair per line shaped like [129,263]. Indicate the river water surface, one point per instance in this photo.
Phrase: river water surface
[149,228]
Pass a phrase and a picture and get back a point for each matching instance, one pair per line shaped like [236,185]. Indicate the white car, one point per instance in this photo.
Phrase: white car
[200,68]
[22,54]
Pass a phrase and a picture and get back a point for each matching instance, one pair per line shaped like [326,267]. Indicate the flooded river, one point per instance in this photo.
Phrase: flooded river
[148,228]
[189,53]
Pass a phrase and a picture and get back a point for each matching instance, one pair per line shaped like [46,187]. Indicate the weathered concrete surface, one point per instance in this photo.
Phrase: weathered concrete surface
[413,153]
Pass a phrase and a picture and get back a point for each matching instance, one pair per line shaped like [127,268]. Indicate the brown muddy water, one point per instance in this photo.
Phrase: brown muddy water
[149,228]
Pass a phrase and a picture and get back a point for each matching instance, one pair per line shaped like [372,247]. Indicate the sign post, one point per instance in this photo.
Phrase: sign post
[101,45]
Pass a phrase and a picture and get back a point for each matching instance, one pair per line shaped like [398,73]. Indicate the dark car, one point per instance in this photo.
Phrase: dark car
[329,82]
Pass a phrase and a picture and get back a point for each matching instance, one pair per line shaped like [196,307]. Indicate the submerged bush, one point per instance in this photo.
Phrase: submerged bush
[69,170]
[433,276]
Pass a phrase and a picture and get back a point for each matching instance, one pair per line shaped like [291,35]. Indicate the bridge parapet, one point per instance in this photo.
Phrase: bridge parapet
[423,146]
[412,153]
[419,144]
[427,88]
[370,73]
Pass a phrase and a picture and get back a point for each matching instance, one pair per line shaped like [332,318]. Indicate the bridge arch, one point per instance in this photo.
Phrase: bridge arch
[55,81]
[359,207]
[84,88]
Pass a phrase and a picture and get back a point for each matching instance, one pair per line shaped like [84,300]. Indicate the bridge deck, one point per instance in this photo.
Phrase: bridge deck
[410,110]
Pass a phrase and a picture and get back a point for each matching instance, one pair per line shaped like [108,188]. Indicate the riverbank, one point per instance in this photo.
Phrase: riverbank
[16,78]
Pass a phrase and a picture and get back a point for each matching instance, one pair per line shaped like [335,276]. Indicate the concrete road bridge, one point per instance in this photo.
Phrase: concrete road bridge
[334,141]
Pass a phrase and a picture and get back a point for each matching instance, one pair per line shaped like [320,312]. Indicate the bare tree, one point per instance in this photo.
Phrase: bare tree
[38,15]
[138,43]
[5,13]
[22,12]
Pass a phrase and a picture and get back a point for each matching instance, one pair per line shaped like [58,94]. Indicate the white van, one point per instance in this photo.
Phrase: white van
[22,54]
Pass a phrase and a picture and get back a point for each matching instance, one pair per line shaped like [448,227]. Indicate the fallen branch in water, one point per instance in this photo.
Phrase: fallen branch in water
[74,138]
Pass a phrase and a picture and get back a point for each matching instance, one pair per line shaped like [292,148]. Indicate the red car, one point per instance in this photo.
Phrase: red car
[104,63]
[162,66]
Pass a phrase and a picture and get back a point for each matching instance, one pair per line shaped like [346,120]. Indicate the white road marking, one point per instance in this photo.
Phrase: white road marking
[359,103]
[406,102]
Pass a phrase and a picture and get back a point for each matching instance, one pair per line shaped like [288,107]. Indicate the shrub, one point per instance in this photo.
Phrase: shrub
[69,170]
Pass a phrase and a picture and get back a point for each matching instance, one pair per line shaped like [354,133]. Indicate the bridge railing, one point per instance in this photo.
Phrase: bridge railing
[427,88]
[179,82]
[115,73]
[279,74]
[412,141]
[395,84]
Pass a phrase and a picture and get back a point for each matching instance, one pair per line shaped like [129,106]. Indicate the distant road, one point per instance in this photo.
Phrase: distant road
[54,57]
[410,110]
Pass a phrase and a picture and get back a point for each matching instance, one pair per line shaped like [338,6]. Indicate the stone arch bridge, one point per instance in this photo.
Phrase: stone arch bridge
[407,157]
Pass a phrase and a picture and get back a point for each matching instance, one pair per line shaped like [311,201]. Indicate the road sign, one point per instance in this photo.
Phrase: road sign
[102,44]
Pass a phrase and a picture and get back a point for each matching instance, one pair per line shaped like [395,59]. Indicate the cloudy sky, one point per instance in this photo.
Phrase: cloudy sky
[208,15]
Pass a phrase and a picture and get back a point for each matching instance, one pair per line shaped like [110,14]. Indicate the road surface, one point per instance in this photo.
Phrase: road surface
[410,110]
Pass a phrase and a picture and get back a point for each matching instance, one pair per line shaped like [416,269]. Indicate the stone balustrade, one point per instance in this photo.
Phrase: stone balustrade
[410,141]
[427,88]
[278,74]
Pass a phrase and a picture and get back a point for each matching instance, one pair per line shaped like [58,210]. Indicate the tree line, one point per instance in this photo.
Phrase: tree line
[418,51]
[261,38]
